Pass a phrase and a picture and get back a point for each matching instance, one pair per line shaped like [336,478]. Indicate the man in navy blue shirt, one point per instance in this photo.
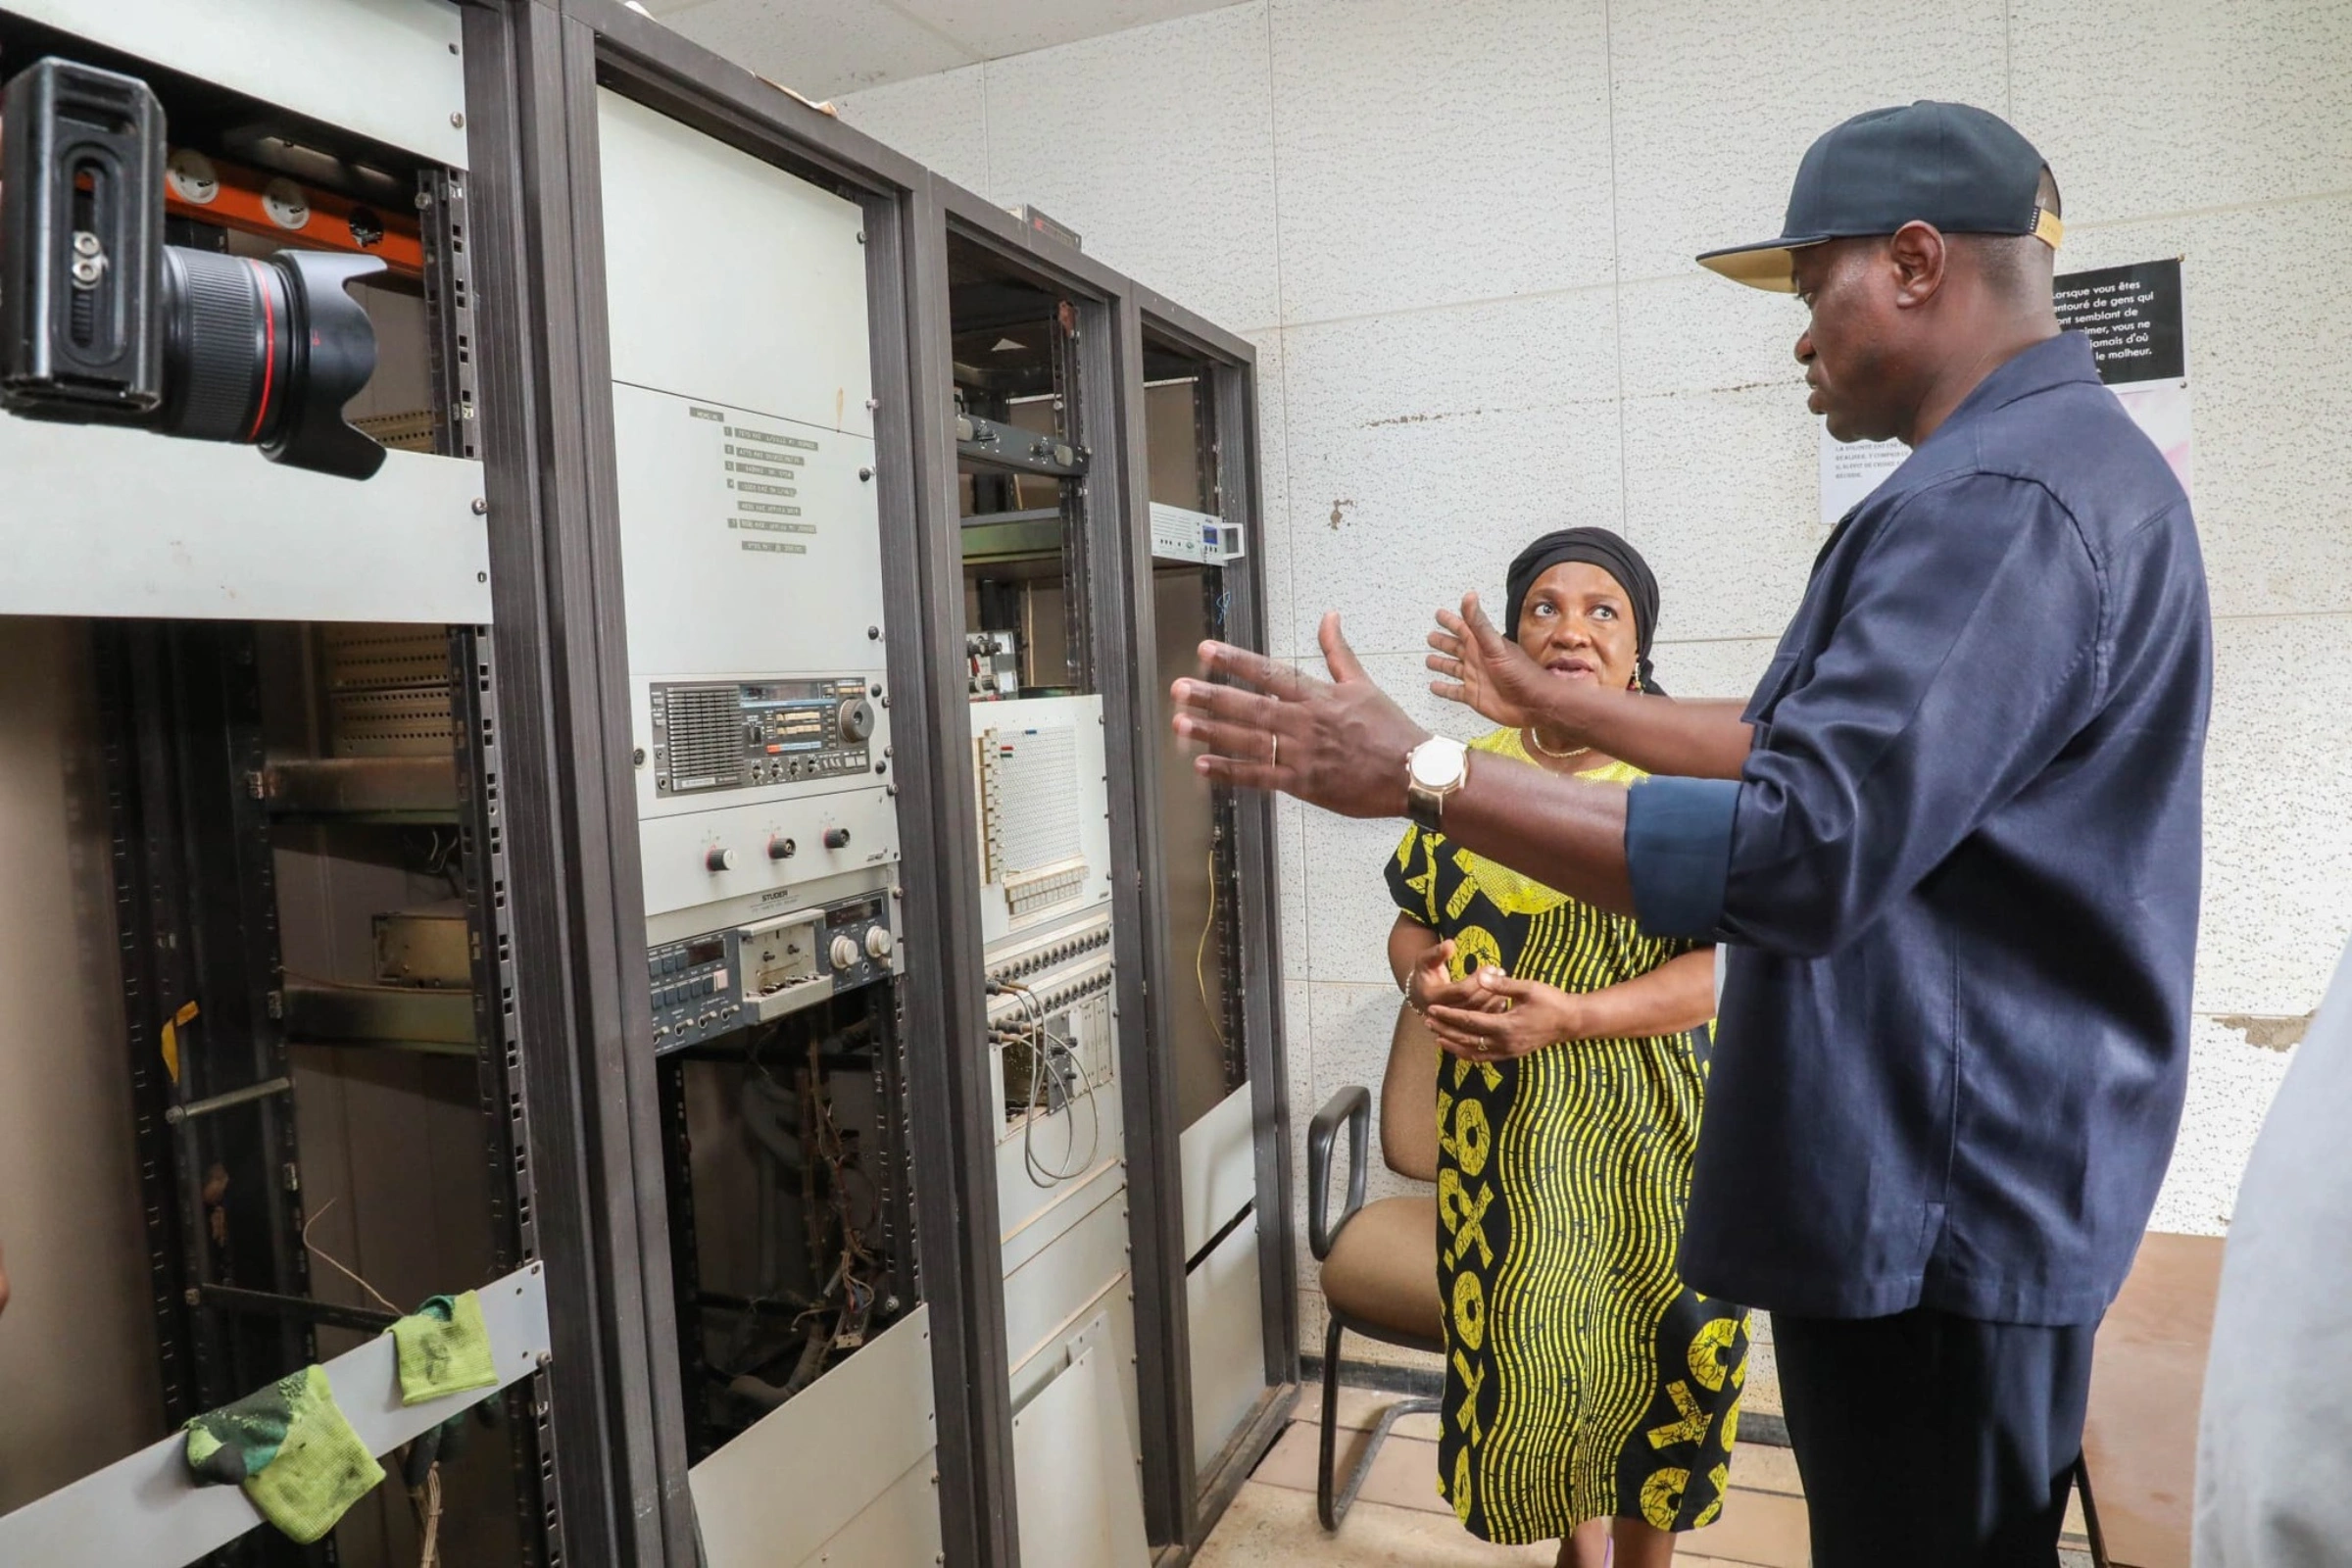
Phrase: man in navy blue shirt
[1952,848]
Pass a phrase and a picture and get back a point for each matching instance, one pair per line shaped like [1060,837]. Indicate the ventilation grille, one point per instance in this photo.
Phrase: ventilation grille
[388,691]
[704,736]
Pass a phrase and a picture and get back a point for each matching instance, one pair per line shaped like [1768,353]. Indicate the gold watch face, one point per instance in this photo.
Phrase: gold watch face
[1436,768]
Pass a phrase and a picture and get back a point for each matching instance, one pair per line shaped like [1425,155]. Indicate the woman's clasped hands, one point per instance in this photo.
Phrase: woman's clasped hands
[1488,1015]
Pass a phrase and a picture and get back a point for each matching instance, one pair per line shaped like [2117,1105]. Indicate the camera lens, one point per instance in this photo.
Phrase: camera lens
[101,322]
[265,352]
[227,336]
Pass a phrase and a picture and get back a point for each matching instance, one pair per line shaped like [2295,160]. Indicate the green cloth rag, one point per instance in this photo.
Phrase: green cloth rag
[237,1440]
[290,1448]
[444,1349]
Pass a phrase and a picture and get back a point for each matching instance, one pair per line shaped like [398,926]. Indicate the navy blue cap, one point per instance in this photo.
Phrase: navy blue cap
[1962,170]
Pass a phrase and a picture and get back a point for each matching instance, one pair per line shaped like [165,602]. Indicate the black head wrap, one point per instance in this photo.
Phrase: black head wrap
[1609,552]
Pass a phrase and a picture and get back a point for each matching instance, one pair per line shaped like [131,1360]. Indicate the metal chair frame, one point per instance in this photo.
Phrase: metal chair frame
[1349,1107]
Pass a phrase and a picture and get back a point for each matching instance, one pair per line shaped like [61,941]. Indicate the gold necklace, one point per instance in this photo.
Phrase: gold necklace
[1535,741]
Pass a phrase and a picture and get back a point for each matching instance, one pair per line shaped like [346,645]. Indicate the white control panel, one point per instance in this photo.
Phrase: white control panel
[750,558]
[1044,810]
[748,542]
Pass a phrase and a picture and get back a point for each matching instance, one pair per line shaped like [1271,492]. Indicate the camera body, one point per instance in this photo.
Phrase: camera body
[101,322]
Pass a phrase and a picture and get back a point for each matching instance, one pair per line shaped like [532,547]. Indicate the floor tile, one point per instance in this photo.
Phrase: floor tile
[1270,1526]
[1423,1424]
[1358,1408]
[1765,1528]
[1362,1407]
[1404,1475]
[1290,1462]
[1761,1467]
[1400,1518]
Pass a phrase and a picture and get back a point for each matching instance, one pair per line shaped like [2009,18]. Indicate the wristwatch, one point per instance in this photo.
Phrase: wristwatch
[1432,771]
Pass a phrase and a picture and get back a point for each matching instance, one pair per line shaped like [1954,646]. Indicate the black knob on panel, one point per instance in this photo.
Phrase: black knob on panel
[837,838]
[782,848]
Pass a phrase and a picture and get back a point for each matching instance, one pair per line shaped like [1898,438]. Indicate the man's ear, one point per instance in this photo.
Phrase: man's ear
[1919,256]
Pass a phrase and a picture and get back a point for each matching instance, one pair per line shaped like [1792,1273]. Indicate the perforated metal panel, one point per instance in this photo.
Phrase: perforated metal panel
[411,432]
[387,690]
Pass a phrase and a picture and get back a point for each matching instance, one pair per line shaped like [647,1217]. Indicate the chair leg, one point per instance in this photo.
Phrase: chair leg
[1331,1428]
[1334,1497]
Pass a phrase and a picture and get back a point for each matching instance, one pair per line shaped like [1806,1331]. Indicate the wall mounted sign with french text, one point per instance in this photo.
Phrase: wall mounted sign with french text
[2137,327]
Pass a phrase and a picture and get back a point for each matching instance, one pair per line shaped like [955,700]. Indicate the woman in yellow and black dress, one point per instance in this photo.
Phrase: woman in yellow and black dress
[1590,1395]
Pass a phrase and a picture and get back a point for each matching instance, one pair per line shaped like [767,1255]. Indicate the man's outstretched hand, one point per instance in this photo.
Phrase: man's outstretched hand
[1485,670]
[1339,744]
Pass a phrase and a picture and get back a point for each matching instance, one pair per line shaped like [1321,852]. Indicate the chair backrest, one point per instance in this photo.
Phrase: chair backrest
[1408,1098]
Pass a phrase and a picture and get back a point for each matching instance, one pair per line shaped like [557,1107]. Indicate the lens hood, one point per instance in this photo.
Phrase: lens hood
[333,356]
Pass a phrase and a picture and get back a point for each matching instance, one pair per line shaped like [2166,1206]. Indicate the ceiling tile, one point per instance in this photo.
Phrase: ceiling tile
[819,48]
[994,28]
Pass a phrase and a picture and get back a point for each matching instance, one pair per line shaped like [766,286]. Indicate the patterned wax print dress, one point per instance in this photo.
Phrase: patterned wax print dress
[1584,1380]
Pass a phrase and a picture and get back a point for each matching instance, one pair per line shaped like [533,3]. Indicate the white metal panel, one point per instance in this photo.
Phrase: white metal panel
[729,280]
[1120,1309]
[1227,1326]
[709,586]
[1083,718]
[1107,1323]
[386,69]
[147,1512]
[1108,1320]
[100,521]
[1043,1228]
[780,1491]
[1220,1162]
[1045,1297]
[1081,1502]
[676,853]
[1061,1139]
[900,1529]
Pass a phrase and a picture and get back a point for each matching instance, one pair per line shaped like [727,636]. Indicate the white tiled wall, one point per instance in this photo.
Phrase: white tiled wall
[1461,236]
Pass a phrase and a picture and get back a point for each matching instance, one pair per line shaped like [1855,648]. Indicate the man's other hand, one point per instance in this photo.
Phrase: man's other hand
[1339,744]
[1485,670]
